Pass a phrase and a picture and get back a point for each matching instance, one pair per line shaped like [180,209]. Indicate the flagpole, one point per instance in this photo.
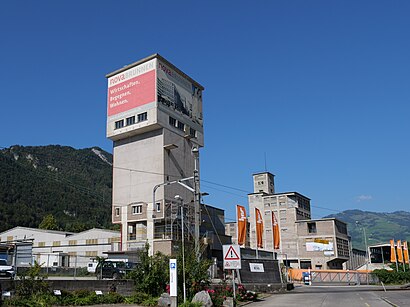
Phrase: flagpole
[237,225]
[397,265]
[256,232]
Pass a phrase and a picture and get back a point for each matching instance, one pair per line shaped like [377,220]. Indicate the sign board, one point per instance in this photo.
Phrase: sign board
[232,257]
[256,267]
[173,286]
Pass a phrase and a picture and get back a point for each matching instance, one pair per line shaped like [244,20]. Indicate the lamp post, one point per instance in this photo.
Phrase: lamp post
[197,199]
[183,244]
[367,250]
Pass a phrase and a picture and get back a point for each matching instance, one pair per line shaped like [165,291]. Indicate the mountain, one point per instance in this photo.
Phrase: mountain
[74,185]
[379,227]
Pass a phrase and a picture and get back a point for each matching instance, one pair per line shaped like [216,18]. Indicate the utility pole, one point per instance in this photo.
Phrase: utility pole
[197,195]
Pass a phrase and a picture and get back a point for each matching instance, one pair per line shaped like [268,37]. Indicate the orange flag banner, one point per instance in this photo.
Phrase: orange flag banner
[399,252]
[392,252]
[276,234]
[405,252]
[259,228]
[241,222]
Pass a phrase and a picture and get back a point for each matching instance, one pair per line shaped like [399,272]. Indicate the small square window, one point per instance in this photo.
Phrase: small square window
[142,117]
[311,227]
[192,132]
[119,124]
[181,126]
[172,121]
[130,120]
[117,211]
[137,209]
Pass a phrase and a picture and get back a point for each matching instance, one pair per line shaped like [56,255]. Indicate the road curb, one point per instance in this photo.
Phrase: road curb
[388,302]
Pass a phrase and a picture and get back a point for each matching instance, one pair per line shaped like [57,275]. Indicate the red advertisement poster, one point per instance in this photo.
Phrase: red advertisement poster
[131,93]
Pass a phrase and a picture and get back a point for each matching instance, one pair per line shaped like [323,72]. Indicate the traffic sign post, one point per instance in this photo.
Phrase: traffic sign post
[232,257]
[232,261]
[173,285]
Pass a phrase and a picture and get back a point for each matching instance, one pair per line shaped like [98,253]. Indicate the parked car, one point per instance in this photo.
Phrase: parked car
[6,270]
[113,269]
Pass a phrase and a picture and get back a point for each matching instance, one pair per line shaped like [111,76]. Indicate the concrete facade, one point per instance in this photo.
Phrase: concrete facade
[304,243]
[156,151]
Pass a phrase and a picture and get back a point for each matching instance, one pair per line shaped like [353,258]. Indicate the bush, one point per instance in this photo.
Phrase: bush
[392,277]
[191,304]
[222,291]
[137,298]
[152,301]
[32,282]
[151,274]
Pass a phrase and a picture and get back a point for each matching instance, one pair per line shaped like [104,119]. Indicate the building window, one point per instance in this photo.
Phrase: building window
[56,243]
[192,132]
[142,117]
[181,126]
[91,241]
[41,244]
[72,254]
[137,209]
[311,227]
[72,242]
[158,206]
[91,253]
[9,238]
[113,240]
[172,121]
[130,120]
[119,124]
[117,211]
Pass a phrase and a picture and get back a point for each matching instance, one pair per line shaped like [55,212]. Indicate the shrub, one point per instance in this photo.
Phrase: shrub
[137,298]
[32,282]
[152,301]
[151,274]
[191,304]
[392,277]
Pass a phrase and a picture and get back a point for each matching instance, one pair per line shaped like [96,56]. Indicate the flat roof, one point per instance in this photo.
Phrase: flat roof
[260,173]
[321,220]
[153,56]
[278,194]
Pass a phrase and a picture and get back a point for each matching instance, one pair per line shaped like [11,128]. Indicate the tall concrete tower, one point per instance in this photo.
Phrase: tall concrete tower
[154,118]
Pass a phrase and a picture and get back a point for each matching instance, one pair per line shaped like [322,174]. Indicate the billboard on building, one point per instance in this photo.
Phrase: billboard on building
[178,93]
[154,80]
[131,88]
[319,245]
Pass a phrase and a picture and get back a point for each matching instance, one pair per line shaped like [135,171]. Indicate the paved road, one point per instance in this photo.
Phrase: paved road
[338,297]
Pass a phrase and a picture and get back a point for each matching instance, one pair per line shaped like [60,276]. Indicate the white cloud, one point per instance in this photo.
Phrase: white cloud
[363,198]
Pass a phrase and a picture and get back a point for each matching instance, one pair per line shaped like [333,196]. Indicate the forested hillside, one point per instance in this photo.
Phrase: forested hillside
[74,185]
[380,227]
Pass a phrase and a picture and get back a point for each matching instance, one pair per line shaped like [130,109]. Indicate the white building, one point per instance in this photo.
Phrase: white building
[65,249]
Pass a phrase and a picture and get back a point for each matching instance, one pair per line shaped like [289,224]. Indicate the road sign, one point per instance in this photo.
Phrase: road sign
[173,277]
[232,256]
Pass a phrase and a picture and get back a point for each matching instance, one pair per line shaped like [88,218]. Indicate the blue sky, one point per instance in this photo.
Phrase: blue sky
[321,88]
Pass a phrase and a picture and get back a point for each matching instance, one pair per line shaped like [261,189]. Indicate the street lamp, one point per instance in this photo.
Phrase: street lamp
[367,250]
[183,244]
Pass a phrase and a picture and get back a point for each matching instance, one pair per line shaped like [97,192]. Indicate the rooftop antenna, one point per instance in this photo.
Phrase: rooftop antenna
[266,169]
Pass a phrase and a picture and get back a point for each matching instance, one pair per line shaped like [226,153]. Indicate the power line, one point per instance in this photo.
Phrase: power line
[85,189]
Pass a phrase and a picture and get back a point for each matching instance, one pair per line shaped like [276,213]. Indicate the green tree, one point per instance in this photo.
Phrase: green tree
[151,274]
[49,223]
[196,273]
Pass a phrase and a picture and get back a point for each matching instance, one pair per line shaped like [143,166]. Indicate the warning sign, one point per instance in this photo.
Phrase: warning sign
[232,257]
